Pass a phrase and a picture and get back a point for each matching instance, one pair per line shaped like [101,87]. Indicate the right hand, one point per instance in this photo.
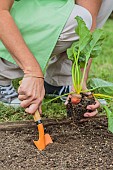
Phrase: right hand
[31,93]
[93,108]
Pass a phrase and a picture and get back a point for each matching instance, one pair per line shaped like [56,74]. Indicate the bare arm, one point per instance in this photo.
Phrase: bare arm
[31,91]
[14,42]
[93,7]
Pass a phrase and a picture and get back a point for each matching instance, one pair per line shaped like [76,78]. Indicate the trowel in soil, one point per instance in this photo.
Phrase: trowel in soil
[44,139]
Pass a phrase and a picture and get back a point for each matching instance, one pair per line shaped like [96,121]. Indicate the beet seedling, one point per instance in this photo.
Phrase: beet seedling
[88,46]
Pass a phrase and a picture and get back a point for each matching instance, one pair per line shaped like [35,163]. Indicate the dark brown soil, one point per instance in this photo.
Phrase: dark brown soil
[86,146]
[76,111]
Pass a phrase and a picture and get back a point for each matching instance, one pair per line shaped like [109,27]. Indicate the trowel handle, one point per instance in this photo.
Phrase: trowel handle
[36,116]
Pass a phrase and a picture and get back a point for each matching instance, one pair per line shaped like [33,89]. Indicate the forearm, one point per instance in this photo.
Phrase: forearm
[93,7]
[13,41]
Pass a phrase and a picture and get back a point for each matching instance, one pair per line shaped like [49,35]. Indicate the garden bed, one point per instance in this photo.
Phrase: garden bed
[86,145]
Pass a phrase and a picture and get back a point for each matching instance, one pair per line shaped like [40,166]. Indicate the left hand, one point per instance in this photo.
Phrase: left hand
[93,109]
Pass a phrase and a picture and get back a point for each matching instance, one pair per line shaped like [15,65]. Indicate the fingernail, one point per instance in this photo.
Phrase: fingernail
[66,103]
[88,107]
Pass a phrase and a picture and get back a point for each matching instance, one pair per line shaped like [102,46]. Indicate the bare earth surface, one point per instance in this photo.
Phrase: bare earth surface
[87,146]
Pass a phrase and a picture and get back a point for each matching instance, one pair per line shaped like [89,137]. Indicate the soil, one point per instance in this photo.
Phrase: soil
[76,111]
[83,146]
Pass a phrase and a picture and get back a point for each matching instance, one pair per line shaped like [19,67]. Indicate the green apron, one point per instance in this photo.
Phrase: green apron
[40,23]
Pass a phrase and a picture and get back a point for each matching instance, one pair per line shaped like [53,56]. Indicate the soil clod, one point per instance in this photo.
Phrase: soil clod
[76,111]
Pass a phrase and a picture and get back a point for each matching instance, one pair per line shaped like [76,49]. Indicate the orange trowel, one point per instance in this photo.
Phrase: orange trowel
[44,139]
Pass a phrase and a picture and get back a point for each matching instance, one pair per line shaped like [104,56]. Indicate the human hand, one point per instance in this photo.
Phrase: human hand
[92,109]
[31,93]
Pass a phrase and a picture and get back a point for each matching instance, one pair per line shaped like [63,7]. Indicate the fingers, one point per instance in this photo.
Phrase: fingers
[94,107]
[24,92]
[66,102]
[22,97]
[32,109]
[91,114]
[32,106]
[26,100]
[26,103]
[31,93]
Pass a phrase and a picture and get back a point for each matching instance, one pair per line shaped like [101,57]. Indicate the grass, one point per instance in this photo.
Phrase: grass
[102,67]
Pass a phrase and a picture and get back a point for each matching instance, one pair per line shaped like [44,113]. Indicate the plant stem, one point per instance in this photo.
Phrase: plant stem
[58,97]
[84,71]
[77,73]
[103,96]
[73,76]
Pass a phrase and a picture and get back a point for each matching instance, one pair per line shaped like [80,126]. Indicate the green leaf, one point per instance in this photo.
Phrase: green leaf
[88,45]
[83,32]
[103,87]
[97,37]
[70,54]
[96,51]
[73,51]
[82,60]
[110,118]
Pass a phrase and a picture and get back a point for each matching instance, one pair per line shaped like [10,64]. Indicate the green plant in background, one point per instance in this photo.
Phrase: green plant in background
[88,46]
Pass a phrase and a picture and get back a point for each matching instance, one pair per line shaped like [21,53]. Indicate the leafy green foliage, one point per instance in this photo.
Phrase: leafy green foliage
[83,32]
[72,51]
[101,86]
[88,45]
[93,48]
[110,119]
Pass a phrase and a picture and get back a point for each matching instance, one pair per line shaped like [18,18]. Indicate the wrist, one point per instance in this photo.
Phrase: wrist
[33,72]
[33,75]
